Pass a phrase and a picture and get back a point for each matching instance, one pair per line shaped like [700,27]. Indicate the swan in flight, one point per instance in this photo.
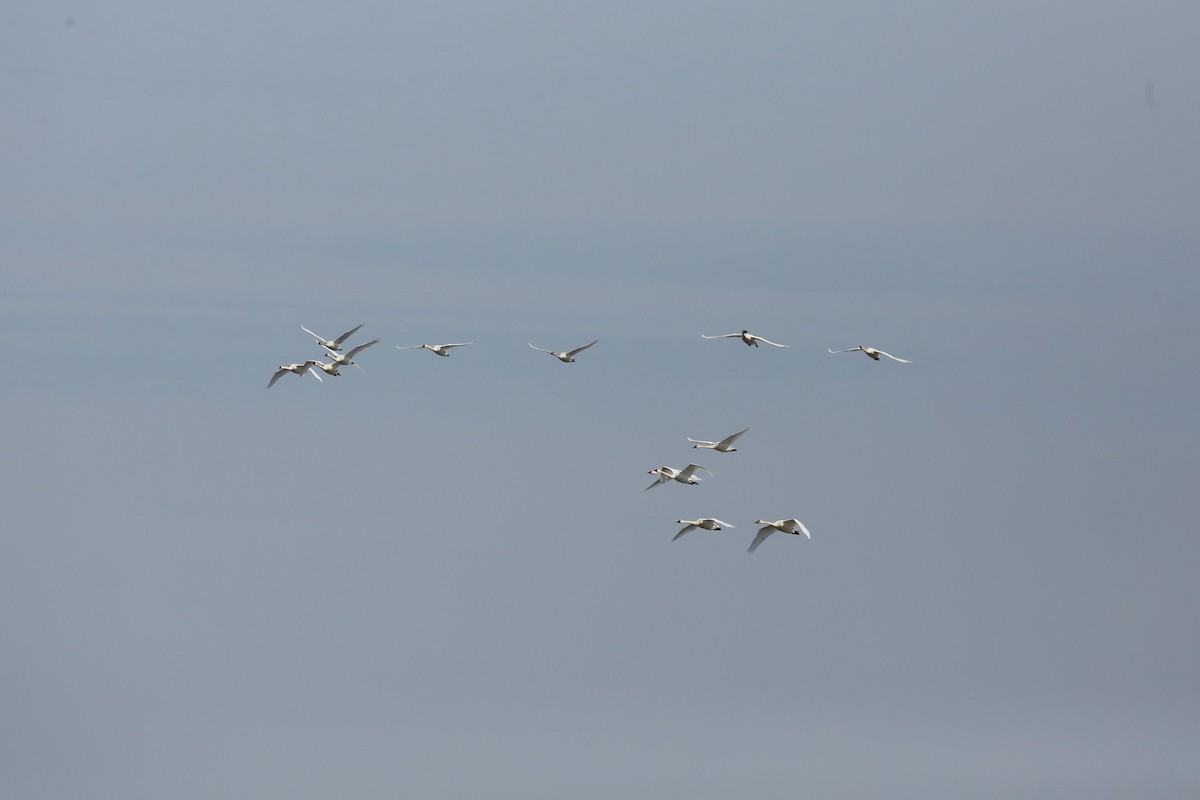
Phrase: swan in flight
[347,359]
[872,352]
[439,349]
[708,523]
[723,446]
[686,475]
[793,526]
[295,369]
[329,369]
[566,357]
[746,336]
[332,344]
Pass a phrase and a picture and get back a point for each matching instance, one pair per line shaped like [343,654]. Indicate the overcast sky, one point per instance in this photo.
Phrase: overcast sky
[442,577]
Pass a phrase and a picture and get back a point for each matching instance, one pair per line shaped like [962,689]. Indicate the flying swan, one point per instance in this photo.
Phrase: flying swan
[793,526]
[438,349]
[872,352]
[708,523]
[686,475]
[332,344]
[295,369]
[723,446]
[347,359]
[566,357]
[746,336]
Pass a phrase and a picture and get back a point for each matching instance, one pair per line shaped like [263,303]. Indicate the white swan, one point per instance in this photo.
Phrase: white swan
[746,336]
[686,475]
[872,352]
[793,526]
[332,344]
[708,523]
[347,359]
[295,369]
[329,369]
[439,349]
[565,357]
[723,446]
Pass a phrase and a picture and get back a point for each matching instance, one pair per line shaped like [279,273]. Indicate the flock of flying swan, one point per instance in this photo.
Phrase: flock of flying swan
[685,475]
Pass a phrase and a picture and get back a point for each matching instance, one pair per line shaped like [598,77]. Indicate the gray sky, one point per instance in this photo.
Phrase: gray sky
[443,576]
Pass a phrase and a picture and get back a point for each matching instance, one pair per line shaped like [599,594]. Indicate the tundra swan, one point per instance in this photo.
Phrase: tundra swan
[746,336]
[793,526]
[565,357]
[723,446]
[872,352]
[332,344]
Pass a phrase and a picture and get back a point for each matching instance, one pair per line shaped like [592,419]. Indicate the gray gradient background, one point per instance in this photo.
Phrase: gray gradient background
[442,578]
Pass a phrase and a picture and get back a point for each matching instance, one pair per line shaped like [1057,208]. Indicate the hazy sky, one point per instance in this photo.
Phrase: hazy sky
[442,578]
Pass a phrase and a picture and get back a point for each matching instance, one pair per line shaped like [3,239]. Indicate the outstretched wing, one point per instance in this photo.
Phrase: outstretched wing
[276,376]
[542,349]
[763,533]
[310,368]
[661,480]
[701,441]
[893,358]
[347,334]
[410,347]
[722,336]
[728,440]
[360,348]
[849,350]
[317,336]
[768,341]
[686,529]
[456,344]
[690,470]
[581,349]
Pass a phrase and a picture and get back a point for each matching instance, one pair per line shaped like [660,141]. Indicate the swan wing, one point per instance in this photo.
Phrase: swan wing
[410,347]
[686,529]
[360,348]
[347,334]
[277,376]
[768,341]
[728,440]
[542,349]
[763,533]
[661,480]
[849,350]
[721,336]
[893,358]
[690,470]
[581,349]
[318,337]
[701,441]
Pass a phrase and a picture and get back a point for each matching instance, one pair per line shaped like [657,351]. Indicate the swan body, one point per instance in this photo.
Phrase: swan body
[295,369]
[707,523]
[872,352]
[686,475]
[567,356]
[792,526]
[747,337]
[332,344]
[329,369]
[723,446]
[347,359]
[437,349]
